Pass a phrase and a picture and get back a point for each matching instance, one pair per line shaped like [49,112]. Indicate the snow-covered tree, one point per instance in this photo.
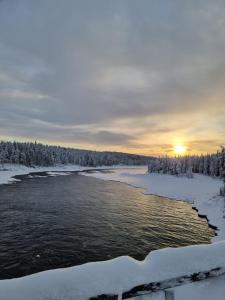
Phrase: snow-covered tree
[35,154]
[222,170]
[210,164]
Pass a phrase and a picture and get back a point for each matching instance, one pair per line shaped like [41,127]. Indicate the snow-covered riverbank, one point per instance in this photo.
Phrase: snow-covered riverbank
[8,171]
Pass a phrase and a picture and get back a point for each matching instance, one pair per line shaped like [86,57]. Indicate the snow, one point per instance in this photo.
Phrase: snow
[123,273]
[155,296]
[202,191]
[11,170]
[8,171]
[54,173]
[114,276]
[213,288]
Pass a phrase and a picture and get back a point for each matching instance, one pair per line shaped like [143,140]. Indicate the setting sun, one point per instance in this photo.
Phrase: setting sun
[180,149]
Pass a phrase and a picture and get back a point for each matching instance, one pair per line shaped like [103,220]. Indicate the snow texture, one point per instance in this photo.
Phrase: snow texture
[209,289]
[11,170]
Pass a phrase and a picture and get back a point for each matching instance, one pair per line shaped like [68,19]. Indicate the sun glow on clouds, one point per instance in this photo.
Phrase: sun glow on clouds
[180,149]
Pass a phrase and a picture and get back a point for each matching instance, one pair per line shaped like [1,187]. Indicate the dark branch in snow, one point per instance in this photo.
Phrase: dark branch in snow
[153,287]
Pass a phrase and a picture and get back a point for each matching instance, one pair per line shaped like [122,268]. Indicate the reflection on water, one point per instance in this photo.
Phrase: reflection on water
[63,221]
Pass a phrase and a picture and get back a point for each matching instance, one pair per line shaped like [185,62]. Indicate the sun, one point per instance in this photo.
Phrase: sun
[180,149]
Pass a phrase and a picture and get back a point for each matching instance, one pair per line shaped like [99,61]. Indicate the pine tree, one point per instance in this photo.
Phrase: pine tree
[36,154]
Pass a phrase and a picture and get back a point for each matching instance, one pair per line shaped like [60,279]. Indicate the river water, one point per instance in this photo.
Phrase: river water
[54,222]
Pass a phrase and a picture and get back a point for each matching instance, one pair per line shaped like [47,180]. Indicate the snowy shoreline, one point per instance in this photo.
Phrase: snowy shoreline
[123,273]
[9,171]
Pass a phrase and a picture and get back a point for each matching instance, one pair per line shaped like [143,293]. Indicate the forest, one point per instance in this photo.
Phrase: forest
[210,164]
[37,154]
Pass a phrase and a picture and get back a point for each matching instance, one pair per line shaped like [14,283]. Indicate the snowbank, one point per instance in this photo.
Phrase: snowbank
[114,276]
[10,170]
[202,191]
[209,289]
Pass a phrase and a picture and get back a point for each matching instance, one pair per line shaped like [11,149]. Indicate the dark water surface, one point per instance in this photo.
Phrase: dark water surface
[63,221]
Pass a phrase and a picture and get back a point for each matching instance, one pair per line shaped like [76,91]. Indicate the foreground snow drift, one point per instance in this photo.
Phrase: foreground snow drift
[114,276]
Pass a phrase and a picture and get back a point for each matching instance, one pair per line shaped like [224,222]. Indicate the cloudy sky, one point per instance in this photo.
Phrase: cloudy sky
[129,75]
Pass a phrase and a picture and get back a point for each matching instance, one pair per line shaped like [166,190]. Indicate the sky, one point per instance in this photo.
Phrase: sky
[138,76]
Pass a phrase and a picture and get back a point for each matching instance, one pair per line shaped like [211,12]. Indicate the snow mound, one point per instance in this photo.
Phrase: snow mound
[114,276]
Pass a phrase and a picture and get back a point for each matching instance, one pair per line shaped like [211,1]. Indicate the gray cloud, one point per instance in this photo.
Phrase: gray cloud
[46,131]
[88,63]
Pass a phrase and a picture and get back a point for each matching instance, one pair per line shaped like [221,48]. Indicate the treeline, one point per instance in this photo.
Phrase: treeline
[211,164]
[36,154]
